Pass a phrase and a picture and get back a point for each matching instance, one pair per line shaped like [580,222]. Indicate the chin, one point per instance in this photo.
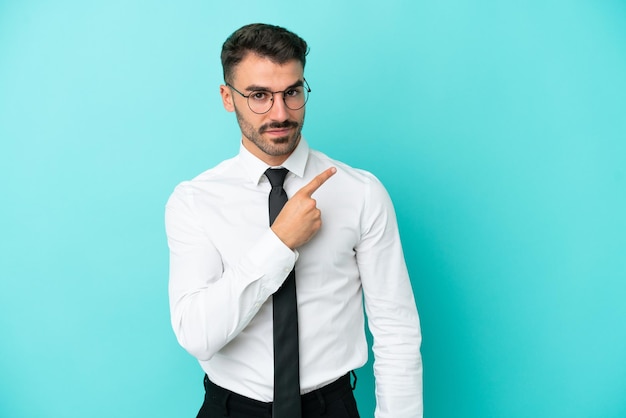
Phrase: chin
[282,148]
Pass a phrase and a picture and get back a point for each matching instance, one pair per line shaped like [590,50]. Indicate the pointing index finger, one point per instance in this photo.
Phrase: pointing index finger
[317,182]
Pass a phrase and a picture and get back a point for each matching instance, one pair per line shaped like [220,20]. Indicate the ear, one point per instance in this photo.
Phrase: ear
[227,98]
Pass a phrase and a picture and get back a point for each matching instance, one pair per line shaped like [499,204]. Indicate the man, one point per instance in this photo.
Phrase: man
[230,270]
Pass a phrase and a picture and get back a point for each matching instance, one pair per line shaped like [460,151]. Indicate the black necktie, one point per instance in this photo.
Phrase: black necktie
[286,356]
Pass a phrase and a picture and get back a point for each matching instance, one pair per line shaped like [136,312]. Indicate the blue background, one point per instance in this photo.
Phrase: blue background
[497,127]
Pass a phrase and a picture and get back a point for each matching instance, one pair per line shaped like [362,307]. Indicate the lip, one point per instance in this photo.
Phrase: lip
[278,132]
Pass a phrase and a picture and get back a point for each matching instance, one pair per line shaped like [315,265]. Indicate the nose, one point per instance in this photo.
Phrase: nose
[279,110]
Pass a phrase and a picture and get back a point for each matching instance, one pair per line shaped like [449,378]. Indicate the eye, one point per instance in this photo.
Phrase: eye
[260,96]
[293,92]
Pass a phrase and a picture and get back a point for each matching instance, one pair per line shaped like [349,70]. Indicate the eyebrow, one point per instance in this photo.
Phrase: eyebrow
[255,87]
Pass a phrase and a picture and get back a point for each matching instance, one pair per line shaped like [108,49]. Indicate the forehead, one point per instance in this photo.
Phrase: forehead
[255,70]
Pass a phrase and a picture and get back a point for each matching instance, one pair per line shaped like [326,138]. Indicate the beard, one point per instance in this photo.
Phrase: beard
[274,147]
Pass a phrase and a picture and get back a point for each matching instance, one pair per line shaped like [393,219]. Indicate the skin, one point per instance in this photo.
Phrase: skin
[273,136]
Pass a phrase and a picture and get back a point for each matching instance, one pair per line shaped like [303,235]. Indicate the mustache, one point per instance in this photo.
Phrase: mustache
[279,125]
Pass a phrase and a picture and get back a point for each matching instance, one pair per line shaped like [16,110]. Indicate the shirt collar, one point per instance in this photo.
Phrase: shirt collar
[255,169]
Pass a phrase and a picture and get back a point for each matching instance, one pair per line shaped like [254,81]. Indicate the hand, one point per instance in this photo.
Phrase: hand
[300,219]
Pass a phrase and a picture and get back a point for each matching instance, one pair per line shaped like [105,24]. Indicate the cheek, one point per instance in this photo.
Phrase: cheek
[245,120]
[296,115]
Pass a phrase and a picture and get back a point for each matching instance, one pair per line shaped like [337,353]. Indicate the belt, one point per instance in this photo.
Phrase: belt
[318,398]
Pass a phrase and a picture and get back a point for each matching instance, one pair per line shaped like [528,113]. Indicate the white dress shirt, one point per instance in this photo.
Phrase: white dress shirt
[226,262]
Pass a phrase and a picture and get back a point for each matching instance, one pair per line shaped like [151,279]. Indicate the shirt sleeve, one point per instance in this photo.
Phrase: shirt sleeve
[390,307]
[211,305]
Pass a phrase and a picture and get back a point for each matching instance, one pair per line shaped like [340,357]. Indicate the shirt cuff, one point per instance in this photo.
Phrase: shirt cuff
[275,260]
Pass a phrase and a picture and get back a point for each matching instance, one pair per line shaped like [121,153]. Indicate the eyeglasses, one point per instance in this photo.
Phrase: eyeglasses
[261,101]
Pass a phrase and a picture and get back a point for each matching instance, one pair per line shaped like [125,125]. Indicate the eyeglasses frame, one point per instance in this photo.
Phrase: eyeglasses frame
[305,84]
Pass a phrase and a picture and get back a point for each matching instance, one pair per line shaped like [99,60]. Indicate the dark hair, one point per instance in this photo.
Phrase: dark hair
[268,41]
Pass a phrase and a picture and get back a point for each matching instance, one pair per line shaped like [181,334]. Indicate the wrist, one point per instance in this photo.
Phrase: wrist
[281,236]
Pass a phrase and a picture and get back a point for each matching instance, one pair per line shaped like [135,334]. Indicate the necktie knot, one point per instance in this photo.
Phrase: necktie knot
[276,176]
[278,196]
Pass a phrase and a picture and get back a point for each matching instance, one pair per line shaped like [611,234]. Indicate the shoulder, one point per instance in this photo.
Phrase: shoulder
[222,171]
[207,182]
[349,176]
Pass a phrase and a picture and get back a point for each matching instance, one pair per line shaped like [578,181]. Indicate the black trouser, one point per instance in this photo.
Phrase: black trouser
[334,400]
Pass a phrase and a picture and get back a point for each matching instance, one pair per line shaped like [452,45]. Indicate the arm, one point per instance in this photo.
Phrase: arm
[211,305]
[391,310]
